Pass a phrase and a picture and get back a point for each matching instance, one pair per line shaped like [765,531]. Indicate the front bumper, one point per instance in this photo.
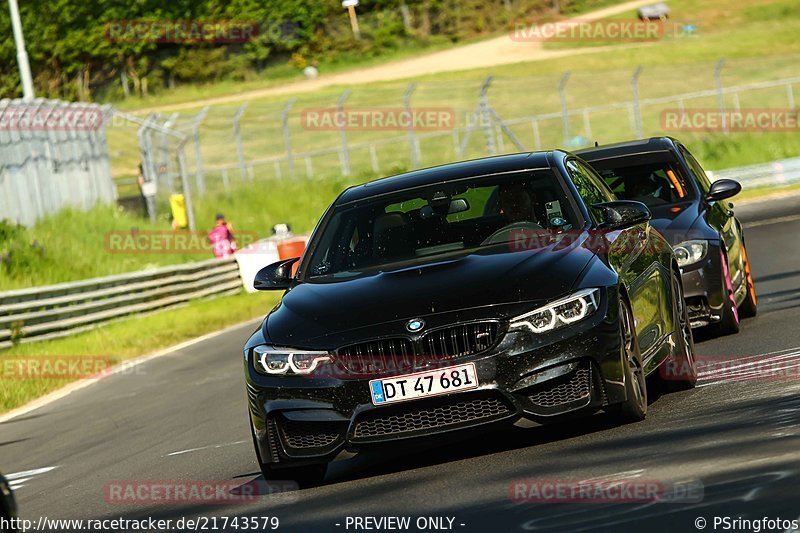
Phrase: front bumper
[524,379]
[702,288]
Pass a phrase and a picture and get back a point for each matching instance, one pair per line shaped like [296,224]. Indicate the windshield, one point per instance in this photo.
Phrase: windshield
[654,184]
[444,220]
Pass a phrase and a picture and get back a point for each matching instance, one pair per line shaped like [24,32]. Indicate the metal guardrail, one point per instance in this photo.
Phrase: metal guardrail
[775,173]
[42,313]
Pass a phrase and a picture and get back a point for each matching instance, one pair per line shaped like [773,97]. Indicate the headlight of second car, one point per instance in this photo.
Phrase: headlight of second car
[569,310]
[274,361]
[690,252]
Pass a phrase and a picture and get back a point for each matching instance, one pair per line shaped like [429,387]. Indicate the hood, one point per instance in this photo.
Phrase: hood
[485,284]
[678,222]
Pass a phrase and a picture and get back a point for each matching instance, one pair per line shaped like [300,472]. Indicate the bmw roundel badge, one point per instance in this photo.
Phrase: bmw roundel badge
[414,325]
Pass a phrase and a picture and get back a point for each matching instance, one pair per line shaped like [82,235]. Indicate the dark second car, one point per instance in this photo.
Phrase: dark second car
[514,289]
[691,213]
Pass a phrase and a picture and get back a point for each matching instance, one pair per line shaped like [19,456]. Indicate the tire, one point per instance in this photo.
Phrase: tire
[749,307]
[729,322]
[679,371]
[634,408]
[304,476]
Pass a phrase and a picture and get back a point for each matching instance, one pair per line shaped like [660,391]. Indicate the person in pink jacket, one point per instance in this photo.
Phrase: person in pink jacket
[223,243]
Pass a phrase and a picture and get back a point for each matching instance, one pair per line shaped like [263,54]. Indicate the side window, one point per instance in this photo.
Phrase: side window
[590,187]
[697,170]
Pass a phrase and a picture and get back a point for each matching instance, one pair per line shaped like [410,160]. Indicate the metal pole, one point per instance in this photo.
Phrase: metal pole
[199,178]
[187,192]
[344,154]
[413,144]
[485,116]
[146,166]
[537,139]
[720,94]
[373,158]
[237,135]
[637,111]
[287,135]
[562,92]
[165,159]
[22,54]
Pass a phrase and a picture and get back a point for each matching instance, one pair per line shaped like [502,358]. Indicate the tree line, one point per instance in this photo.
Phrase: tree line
[105,50]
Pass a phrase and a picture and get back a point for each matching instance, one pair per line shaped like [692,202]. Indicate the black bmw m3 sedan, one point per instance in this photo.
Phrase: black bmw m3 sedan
[508,290]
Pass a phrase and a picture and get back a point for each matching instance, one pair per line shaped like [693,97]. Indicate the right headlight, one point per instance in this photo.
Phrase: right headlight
[690,252]
[569,310]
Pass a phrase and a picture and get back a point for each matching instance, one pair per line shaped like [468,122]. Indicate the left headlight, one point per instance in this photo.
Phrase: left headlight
[274,361]
[569,310]
[690,252]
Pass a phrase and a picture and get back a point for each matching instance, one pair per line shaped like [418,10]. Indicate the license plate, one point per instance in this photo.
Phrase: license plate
[423,384]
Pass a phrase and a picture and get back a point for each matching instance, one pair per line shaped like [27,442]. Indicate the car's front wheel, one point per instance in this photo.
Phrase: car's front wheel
[679,371]
[748,308]
[729,321]
[634,408]
[304,476]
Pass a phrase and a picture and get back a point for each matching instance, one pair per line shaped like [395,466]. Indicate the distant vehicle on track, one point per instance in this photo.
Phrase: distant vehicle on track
[512,289]
[691,213]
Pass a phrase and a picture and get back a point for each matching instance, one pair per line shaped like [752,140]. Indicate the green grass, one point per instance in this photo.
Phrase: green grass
[72,245]
[119,341]
[758,40]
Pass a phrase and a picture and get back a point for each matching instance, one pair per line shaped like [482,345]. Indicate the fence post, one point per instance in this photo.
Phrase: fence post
[537,139]
[413,144]
[187,192]
[485,116]
[790,95]
[164,142]
[562,93]
[637,110]
[198,119]
[373,158]
[237,136]
[720,94]
[287,135]
[146,167]
[344,154]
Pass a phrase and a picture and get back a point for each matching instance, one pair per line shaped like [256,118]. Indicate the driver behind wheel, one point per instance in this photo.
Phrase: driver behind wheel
[516,203]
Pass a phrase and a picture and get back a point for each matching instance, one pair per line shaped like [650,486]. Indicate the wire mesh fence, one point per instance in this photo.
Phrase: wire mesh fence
[233,144]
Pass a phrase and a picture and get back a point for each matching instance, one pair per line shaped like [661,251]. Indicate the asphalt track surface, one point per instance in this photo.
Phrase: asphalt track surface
[183,417]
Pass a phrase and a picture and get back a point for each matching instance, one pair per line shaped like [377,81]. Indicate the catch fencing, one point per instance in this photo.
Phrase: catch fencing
[53,155]
[42,313]
[222,147]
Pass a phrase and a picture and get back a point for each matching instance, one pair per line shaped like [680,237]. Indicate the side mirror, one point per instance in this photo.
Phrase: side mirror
[722,189]
[622,214]
[277,276]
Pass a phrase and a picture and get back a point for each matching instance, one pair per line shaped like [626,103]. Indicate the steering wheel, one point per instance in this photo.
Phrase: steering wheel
[502,235]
